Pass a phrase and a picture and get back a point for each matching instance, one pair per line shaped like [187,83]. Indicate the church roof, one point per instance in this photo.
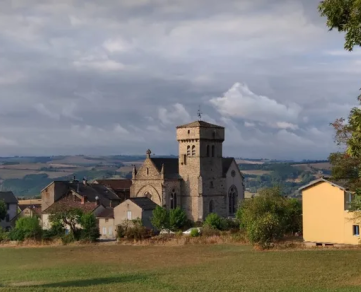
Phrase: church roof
[200,124]
[226,163]
[170,166]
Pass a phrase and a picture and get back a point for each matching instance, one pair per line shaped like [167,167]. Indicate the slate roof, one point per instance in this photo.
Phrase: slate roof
[144,203]
[171,169]
[200,124]
[340,184]
[106,213]
[226,163]
[68,203]
[91,191]
[116,184]
[8,197]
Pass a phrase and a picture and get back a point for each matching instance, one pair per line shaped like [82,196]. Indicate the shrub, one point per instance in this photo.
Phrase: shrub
[138,232]
[121,230]
[26,227]
[160,219]
[177,219]
[194,232]
[267,217]
[4,236]
[90,231]
[209,231]
[231,224]
[68,238]
[214,221]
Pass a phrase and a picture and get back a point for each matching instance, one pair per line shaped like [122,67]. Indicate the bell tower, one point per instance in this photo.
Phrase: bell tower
[200,165]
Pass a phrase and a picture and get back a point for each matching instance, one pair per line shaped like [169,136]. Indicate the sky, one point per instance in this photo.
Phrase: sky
[117,77]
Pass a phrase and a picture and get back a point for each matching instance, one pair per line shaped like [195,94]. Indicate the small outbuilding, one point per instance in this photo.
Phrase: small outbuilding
[135,208]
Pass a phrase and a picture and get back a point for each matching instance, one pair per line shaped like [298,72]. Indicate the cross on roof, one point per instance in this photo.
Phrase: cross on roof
[199,113]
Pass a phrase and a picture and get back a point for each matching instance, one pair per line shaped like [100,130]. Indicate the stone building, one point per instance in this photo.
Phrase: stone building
[200,180]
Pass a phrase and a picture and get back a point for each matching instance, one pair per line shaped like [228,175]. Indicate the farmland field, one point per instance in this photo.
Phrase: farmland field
[178,268]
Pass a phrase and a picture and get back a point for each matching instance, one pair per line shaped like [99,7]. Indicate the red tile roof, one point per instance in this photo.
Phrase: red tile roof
[68,203]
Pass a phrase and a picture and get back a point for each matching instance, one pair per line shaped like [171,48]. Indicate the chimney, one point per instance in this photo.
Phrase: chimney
[96,201]
[78,187]
[83,200]
[85,182]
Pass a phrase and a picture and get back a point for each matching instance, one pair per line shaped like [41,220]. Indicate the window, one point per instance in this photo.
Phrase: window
[214,135]
[185,159]
[232,200]
[208,151]
[106,219]
[129,215]
[212,150]
[173,200]
[189,131]
[356,230]
[104,231]
[211,184]
[193,150]
[147,171]
[188,150]
[233,173]
[211,206]
[110,231]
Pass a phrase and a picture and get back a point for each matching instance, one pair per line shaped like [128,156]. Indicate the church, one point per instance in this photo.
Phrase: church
[200,180]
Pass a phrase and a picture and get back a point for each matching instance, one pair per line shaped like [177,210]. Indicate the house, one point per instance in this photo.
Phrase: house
[327,218]
[107,228]
[59,189]
[135,208]
[200,181]
[12,209]
[119,186]
[68,203]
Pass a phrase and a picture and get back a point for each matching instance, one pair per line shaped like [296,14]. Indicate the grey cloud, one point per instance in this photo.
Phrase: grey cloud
[74,70]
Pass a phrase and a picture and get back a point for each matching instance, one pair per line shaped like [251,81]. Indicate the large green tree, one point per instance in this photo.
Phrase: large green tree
[345,16]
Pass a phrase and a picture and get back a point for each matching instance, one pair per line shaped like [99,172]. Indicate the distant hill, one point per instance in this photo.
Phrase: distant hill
[27,176]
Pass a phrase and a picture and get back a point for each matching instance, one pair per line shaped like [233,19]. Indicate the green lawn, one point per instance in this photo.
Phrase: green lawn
[178,268]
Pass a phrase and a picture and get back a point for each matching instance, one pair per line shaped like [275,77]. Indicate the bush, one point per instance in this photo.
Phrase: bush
[160,219]
[214,221]
[231,224]
[68,238]
[177,219]
[138,232]
[121,230]
[194,232]
[209,231]
[26,227]
[90,231]
[267,217]
[4,236]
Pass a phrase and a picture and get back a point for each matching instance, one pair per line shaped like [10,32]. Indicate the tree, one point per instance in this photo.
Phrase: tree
[214,221]
[160,219]
[267,217]
[90,230]
[345,16]
[177,219]
[69,217]
[26,227]
[3,210]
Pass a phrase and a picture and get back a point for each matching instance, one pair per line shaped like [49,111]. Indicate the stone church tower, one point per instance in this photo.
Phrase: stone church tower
[201,168]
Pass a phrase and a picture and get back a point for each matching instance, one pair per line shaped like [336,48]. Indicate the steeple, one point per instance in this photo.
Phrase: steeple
[148,153]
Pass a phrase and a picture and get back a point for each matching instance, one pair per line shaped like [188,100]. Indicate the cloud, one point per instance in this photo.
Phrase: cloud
[240,102]
[83,77]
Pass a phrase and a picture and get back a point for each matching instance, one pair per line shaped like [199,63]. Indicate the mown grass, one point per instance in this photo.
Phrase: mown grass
[178,268]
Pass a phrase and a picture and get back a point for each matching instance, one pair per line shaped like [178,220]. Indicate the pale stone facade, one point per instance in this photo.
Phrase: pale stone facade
[200,180]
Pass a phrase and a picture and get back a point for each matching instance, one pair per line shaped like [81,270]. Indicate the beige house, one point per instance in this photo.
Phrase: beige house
[200,180]
[133,209]
[327,218]
[107,227]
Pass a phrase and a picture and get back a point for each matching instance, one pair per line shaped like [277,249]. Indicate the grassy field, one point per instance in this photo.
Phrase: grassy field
[178,268]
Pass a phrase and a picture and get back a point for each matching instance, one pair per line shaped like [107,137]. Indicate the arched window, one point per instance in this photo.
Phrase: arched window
[211,184]
[214,135]
[208,151]
[211,206]
[173,199]
[232,200]
[147,171]
[193,150]
[188,150]
[212,150]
